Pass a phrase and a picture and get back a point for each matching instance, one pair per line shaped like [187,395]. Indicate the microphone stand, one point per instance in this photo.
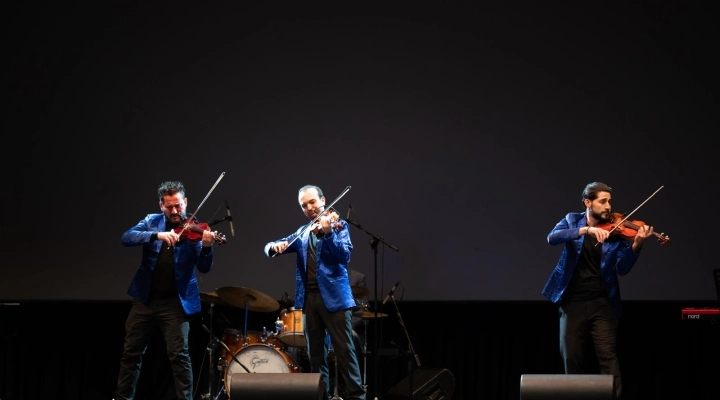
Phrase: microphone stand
[374,241]
[217,221]
[211,372]
[411,349]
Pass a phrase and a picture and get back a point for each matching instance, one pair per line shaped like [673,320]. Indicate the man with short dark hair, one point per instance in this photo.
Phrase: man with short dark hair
[585,282]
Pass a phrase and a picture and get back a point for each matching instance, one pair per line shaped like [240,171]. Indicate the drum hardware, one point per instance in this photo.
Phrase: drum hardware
[278,326]
[411,349]
[248,299]
[213,299]
[260,351]
[374,242]
[267,339]
[366,315]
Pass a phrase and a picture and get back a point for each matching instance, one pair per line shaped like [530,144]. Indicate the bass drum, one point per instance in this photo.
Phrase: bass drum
[259,358]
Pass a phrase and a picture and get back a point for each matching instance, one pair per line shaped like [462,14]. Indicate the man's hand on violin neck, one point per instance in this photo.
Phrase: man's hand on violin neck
[208,238]
[643,233]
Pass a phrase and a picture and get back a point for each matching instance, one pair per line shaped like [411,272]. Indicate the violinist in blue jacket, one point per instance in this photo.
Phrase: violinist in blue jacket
[164,290]
[584,283]
[322,289]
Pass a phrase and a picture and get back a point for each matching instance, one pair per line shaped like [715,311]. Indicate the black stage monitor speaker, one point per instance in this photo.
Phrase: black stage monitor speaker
[424,384]
[566,387]
[276,386]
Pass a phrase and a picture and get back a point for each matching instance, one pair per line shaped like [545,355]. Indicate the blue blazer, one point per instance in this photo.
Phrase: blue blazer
[617,258]
[187,256]
[332,266]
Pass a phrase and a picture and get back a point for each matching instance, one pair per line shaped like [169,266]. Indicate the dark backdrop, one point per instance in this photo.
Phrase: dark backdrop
[465,134]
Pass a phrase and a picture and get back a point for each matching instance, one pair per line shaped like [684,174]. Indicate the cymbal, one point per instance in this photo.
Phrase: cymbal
[366,314]
[256,301]
[212,297]
[359,291]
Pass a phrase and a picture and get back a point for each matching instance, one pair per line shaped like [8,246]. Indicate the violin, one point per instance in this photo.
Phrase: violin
[193,231]
[334,219]
[628,229]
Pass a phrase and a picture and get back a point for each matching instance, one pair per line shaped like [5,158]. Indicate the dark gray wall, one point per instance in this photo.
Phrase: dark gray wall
[465,134]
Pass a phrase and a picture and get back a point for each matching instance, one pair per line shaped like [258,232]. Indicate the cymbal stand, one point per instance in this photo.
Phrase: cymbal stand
[211,372]
[245,336]
[411,349]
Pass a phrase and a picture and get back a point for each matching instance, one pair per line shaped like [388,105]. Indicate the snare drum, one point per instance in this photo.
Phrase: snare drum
[260,358]
[292,333]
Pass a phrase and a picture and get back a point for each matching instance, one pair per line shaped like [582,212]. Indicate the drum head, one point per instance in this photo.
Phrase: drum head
[259,358]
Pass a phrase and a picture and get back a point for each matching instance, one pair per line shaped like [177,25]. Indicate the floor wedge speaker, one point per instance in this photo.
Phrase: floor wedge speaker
[276,386]
[566,387]
[424,384]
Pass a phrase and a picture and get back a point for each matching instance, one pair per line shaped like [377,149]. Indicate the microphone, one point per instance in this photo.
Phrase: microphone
[349,210]
[391,292]
[229,218]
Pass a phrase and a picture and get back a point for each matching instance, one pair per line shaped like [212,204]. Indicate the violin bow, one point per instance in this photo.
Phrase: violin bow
[203,200]
[344,192]
[622,221]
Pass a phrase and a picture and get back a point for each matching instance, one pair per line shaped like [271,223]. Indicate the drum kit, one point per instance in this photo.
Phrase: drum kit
[266,351]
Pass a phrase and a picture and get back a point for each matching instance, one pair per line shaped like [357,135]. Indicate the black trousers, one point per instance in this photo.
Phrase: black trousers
[143,320]
[322,329]
[590,323]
